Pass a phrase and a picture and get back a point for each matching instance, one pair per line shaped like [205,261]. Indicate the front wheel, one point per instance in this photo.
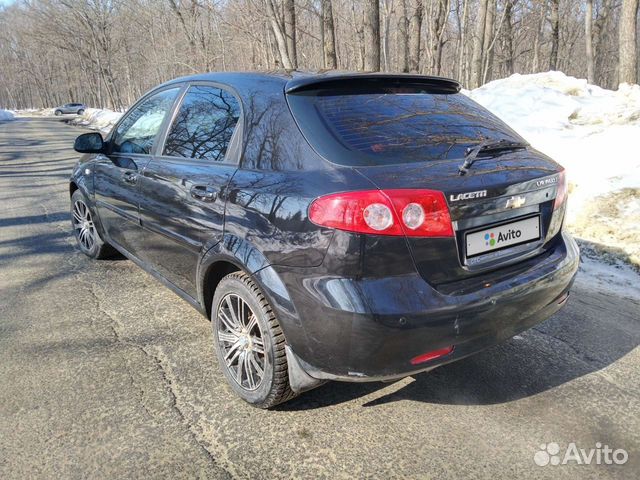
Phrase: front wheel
[81,111]
[84,229]
[249,342]
[58,113]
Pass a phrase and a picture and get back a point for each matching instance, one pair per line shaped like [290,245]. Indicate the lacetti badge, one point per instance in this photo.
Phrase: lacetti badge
[468,195]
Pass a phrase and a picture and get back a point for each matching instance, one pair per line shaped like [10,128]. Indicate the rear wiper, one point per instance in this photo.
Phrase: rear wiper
[487,146]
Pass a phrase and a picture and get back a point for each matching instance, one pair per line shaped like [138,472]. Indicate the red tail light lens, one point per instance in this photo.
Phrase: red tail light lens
[561,194]
[415,213]
[424,213]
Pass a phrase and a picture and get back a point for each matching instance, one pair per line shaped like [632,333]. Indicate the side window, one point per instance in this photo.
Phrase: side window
[138,130]
[204,124]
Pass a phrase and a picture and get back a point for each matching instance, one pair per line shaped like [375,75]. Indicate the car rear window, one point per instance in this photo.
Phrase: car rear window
[385,126]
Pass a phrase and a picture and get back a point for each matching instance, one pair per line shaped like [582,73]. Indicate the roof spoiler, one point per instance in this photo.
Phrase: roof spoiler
[434,84]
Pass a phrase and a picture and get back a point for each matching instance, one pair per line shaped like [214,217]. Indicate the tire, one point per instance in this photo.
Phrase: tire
[87,236]
[263,328]
[81,111]
[58,113]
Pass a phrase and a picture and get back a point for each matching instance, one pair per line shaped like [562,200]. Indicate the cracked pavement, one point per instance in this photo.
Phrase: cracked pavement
[104,373]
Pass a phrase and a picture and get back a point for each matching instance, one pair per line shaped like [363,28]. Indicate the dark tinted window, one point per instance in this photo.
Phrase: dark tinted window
[136,133]
[204,124]
[393,125]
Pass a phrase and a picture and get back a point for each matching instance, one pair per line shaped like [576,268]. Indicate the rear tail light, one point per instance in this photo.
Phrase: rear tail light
[561,194]
[415,213]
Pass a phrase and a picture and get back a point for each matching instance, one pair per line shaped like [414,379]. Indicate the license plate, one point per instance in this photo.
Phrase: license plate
[503,236]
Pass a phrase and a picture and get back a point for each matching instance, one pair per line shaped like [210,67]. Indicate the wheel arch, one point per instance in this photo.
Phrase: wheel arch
[237,254]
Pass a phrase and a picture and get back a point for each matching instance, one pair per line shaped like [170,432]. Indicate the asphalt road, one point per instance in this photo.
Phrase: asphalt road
[104,373]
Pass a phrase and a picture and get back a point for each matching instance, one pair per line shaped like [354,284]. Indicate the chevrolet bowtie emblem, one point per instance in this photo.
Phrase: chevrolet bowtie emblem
[516,202]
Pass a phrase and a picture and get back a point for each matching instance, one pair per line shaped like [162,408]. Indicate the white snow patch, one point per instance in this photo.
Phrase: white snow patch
[6,115]
[98,119]
[587,129]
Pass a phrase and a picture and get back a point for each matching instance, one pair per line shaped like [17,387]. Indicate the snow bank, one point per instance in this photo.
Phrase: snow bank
[6,115]
[98,119]
[592,132]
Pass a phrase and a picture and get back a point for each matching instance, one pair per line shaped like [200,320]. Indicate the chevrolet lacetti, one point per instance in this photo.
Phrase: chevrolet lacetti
[352,227]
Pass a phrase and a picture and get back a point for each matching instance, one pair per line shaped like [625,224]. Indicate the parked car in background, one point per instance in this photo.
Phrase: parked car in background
[75,108]
[352,227]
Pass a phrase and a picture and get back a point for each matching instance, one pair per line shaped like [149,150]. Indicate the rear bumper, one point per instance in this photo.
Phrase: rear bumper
[370,329]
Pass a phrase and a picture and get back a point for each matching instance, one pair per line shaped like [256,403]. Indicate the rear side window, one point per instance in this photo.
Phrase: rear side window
[204,124]
[385,126]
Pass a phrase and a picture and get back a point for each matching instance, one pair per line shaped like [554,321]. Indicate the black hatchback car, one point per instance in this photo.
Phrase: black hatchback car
[354,227]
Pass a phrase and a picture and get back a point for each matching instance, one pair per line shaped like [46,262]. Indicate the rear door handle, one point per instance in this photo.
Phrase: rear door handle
[205,193]
[130,177]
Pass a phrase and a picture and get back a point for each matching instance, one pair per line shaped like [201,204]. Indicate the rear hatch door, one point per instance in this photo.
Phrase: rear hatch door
[413,132]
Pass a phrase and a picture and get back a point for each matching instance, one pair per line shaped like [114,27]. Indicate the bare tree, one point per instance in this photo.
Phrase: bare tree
[280,34]
[328,35]
[290,31]
[554,20]
[403,38]
[628,62]
[478,44]
[588,39]
[415,29]
[108,52]
[372,35]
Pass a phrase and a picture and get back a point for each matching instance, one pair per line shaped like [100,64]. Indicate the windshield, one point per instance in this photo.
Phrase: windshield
[393,125]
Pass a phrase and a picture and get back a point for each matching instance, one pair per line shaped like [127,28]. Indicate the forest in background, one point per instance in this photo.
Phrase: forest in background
[106,53]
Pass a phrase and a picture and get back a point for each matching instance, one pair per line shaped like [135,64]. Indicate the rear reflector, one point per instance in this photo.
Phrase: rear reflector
[410,212]
[425,357]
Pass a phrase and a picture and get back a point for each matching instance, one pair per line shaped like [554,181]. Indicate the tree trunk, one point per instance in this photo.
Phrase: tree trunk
[588,38]
[537,43]
[463,32]
[403,38]
[628,49]
[415,28]
[508,38]
[290,31]
[487,71]
[478,44]
[372,35]
[279,33]
[328,36]
[555,34]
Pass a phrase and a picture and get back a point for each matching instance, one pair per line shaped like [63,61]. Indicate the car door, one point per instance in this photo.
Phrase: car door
[182,198]
[116,173]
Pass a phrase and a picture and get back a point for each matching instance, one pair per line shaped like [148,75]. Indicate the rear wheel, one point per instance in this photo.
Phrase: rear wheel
[249,342]
[84,229]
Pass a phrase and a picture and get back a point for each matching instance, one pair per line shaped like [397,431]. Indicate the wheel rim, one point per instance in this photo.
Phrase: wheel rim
[83,225]
[241,342]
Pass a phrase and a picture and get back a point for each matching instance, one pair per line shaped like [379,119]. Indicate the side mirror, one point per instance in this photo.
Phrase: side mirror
[89,143]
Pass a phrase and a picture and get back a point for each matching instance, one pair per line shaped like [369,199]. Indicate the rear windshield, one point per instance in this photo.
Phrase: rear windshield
[393,125]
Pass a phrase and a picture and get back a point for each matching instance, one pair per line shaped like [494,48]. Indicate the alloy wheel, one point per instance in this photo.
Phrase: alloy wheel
[241,341]
[83,225]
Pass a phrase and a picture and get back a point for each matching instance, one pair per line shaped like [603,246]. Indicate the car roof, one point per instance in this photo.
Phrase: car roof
[297,80]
